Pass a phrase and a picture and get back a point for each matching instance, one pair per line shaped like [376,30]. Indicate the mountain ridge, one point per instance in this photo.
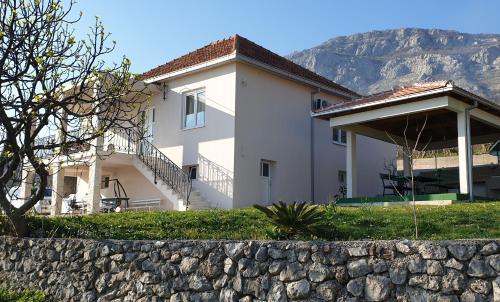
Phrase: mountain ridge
[379,60]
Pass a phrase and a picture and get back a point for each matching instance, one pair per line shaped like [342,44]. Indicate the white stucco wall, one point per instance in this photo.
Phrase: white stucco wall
[273,123]
[372,155]
[212,146]
[136,186]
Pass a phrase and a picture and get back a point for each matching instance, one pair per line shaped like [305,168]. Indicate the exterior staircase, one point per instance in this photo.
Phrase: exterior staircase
[198,202]
[174,183]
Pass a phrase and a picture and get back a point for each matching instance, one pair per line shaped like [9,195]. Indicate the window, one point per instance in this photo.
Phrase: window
[105,182]
[265,169]
[320,104]
[342,176]
[339,136]
[194,110]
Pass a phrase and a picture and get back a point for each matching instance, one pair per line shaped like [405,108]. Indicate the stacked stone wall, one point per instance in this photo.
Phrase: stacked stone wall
[244,271]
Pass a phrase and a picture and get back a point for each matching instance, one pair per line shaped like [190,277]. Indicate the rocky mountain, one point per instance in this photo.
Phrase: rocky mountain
[380,60]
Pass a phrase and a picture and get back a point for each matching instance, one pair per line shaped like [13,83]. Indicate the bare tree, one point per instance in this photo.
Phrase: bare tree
[410,149]
[52,81]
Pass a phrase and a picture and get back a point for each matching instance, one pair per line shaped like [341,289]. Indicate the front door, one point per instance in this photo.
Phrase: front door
[150,124]
[265,181]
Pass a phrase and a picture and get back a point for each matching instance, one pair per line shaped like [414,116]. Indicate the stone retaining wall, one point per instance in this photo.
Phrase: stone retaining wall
[85,270]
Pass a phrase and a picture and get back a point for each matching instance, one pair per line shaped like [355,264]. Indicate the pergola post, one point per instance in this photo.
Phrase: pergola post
[464,154]
[351,165]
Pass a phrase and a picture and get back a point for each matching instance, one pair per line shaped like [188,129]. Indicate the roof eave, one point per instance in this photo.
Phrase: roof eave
[380,102]
[195,68]
[445,89]
[241,58]
[245,59]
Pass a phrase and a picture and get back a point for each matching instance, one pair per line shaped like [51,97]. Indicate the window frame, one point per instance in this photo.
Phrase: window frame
[268,164]
[342,176]
[194,93]
[339,135]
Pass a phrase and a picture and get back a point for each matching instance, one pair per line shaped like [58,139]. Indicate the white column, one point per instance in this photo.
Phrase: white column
[464,153]
[26,184]
[351,165]
[406,165]
[57,189]
[95,175]
[27,176]
[57,169]
[95,171]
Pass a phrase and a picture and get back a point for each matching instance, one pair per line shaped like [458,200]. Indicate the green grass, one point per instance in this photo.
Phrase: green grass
[457,221]
[422,197]
[24,296]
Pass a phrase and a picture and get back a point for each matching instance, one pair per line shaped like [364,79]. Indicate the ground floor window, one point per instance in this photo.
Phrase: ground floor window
[339,136]
[342,176]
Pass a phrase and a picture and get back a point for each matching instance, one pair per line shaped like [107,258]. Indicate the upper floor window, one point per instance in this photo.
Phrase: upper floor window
[339,136]
[320,104]
[194,109]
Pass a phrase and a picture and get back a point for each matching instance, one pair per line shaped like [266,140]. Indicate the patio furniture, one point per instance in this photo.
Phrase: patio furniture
[441,182]
[111,204]
[397,185]
[74,205]
[153,203]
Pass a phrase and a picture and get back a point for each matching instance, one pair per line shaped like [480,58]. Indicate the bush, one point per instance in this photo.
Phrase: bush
[296,219]
[23,296]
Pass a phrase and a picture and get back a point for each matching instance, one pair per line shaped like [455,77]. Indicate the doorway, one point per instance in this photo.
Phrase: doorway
[265,181]
[148,119]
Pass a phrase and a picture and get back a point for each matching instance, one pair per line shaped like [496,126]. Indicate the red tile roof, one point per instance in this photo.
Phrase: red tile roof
[391,94]
[247,48]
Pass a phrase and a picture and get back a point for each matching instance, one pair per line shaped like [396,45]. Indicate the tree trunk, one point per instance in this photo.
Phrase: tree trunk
[19,225]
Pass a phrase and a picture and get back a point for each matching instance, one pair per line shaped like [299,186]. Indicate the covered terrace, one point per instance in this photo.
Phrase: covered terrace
[437,115]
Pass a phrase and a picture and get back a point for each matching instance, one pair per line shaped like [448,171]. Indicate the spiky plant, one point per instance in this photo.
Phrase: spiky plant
[295,219]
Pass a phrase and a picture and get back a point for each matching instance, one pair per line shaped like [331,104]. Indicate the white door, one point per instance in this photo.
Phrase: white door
[150,124]
[265,181]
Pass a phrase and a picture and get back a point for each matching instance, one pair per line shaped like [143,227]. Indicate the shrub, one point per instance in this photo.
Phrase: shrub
[296,219]
[23,296]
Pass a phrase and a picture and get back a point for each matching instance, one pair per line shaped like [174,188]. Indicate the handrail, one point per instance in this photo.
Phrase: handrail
[131,142]
[164,168]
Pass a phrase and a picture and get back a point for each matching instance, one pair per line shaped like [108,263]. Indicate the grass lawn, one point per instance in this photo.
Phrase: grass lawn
[457,221]
[24,296]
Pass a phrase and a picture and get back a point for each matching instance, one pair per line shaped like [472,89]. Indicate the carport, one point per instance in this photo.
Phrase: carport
[454,117]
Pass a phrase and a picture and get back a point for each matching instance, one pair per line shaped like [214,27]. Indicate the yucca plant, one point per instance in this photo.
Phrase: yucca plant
[296,219]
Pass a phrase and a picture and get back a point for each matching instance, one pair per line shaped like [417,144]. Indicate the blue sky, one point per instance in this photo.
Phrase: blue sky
[151,32]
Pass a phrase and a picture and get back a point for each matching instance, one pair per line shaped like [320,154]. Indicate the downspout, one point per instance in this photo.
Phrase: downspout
[468,142]
[312,158]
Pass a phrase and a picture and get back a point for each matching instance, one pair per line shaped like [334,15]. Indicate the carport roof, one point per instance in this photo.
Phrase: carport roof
[406,94]
[396,115]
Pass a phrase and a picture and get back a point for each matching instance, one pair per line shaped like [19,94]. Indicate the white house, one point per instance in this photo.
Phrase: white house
[233,120]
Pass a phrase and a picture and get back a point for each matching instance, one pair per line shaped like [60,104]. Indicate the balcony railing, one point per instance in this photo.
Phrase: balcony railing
[131,142]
